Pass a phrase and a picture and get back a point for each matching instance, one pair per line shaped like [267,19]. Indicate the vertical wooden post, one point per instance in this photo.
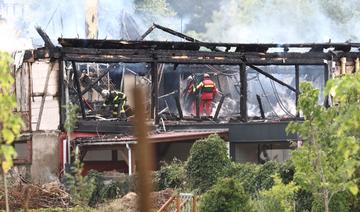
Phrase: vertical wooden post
[326,78]
[62,93]
[243,93]
[297,87]
[194,203]
[51,67]
[178,204]
[144,153]
[154,93]
[178,105]
[78,88]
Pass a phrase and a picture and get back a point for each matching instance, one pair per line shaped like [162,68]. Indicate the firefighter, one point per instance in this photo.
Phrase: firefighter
[207,90]
[189,95]
[117,101]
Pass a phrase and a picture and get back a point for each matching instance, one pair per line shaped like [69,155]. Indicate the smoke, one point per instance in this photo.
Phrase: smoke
[66,18]
[284,21]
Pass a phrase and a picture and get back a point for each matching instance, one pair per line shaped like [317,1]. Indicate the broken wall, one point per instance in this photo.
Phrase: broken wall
[37,96]
[45,105]
[44,167]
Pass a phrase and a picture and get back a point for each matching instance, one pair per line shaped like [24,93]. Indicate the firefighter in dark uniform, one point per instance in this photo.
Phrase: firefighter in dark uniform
[117,101]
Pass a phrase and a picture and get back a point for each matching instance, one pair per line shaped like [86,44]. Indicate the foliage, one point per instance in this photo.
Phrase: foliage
[326,163]
[226,195]
[346,95]
[245,173]
[303,200]
[10,122]
[71,116]
[339,202]
[280,197]
[264,178]
[158,7]
[254,177]
[80,188]
[74,209]
[110,189]
[207,162]
[286,171]
[198,14]
[171,175]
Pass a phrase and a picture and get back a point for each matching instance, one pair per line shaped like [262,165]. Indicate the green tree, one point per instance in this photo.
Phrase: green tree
[226,195]
[207,162]
[325,164]
[10,122]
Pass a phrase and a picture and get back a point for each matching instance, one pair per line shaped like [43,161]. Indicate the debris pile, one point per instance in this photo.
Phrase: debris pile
[129,201]
[32,196]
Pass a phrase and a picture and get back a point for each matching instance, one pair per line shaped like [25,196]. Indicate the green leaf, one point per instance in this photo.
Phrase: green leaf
[352,187]
[8,136]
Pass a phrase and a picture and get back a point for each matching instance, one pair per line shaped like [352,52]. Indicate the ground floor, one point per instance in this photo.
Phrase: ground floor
[47,155]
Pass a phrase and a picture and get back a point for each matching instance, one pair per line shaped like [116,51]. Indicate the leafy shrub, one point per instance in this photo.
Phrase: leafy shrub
[303,200]
[286,171]
[279,198]
[208,160]
[80,188]
[264,178]
[245,173]
[254,177]
[171,175]
[110,189]
[226,195]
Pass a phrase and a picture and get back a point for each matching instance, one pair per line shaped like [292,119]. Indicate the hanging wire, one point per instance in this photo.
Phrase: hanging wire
[278,99]
[52,15]
[267,98]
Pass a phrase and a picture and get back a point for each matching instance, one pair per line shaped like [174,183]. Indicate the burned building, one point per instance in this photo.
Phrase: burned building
[258,89]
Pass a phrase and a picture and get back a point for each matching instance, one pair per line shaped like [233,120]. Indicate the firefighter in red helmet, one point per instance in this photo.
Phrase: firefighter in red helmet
[207,90]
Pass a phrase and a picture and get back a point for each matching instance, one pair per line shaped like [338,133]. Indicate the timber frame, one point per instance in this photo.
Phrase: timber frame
[244,55]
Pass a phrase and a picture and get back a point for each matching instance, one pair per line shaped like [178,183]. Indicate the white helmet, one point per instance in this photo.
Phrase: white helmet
[189,78]
[105,92]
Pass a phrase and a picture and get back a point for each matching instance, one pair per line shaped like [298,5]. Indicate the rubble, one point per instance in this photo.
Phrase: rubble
[32,196]
[128,203]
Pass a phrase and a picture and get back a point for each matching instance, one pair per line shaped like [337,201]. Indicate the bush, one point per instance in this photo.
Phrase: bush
[264,178]
[254,177]
[245,173]
[208,160]
[280,198]
[80,187]
[171,175]
[304,200]
[226,195]
[110,189]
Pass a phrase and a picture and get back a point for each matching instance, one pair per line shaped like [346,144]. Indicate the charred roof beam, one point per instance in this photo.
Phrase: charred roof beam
[45,38]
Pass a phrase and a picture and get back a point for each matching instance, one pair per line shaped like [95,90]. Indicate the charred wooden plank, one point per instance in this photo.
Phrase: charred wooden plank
[45,37]
[243,93]
[260,106]
[78,88]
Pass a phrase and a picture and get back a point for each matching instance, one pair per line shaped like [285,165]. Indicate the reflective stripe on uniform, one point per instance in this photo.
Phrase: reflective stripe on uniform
[116,105]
